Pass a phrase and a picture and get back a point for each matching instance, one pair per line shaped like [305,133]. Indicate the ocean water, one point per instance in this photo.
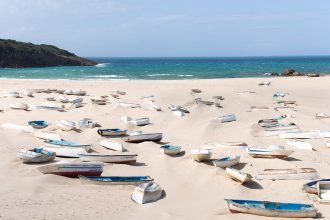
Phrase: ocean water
[175,68]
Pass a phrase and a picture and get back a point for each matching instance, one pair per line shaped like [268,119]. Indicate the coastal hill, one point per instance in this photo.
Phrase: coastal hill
[15,54]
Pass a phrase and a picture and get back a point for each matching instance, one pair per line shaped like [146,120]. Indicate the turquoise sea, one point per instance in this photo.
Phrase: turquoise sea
[175,68]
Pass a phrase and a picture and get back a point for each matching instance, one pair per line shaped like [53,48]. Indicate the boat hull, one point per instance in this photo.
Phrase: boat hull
[238,176]
[226,163]
[100,181]
[156,137]
[72,169]
[120,158]
[271,212]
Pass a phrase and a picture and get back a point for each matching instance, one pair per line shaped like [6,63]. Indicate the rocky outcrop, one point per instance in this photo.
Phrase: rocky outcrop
[15,54]
[291,72]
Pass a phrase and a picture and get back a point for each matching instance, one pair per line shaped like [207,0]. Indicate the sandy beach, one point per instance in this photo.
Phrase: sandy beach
[192,190]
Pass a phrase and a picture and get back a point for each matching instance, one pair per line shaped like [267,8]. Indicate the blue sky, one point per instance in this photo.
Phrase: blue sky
[171,27]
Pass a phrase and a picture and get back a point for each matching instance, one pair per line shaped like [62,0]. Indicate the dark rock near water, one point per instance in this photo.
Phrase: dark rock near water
[291,72]
[15,54]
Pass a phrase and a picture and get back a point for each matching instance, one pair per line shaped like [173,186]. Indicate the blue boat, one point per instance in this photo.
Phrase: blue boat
[311,187]
[170,149]
[115,180]
[272,209]
[38,124]
[112,132]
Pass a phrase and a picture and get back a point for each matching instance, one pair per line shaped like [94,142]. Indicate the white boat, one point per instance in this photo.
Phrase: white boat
[63,99]
[200,154]
[178,108]
[238,175]
[76,100]
[147,192]
[68,144]
[170,149]
[109,158]
[87,123]
[19,106]
[323,192]
[66,125]
[130,105]
[268,152]
[50,98]
[299,144]
[115,180]
[154,107]
[323,133]
[36,155]
[24,128]
[227,118]
[138,121]
[99,101]
[114,132]
[28,93]
[75,92]
[70,152]
[287,174]
[138,137]
[283,127]
[112,145]
[321,115]
[217,146]
[11,94]
[278,132]
[178,113]
[51,106]
[118,92]
[47,135]
[73,169]
[299,135]
[226,162]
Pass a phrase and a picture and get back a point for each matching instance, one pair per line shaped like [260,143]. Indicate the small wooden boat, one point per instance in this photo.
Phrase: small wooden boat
[226,162]
[299,135]
[154,107]
[311,187]
[272,209]
[178,113]
[72,169]
[67,144]
[19,106]
[50,98]
[200,101]
[118,92]
[219,97]
[200,154]
[323,133]
[112,145]
[66,125]
[278,132]
[321,115]
[170,149]
[216,146]
[47,135]
[87,123]
[11,94]
[147,192]
[68,152]
[109,158]
[196,91]
[238,175]
[38,124]
[178,108]
[299,144]
[138,121]
[323,192]
[36,155]
[63,99]
[51,106]
[140,137]
[99,101]
[287,174]
[23,128]
[76,100]
[115,180]
[77,92]
[28,93]
[129,105]
[282,127]
[268,152]
[227,118]
[112,132]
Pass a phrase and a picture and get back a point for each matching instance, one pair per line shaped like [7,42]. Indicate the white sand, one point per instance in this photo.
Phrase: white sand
[193,190]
